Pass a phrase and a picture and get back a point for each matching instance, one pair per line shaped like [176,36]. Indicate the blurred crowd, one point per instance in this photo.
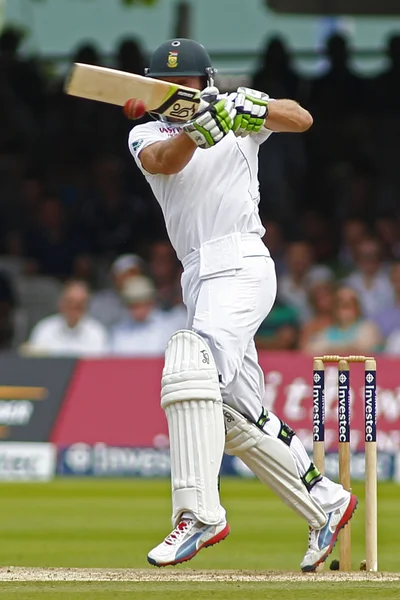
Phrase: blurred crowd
[85,264]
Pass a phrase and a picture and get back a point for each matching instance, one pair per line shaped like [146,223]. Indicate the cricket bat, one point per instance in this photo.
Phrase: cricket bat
[116,87]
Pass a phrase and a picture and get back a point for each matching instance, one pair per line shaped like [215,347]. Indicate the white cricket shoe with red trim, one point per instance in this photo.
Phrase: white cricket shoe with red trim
[186,540]
[322,541]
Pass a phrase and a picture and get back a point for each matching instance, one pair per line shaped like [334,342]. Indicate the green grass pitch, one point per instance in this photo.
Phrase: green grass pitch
[111,524]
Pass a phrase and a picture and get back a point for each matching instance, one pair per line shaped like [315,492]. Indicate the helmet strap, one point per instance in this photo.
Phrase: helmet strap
[210,76]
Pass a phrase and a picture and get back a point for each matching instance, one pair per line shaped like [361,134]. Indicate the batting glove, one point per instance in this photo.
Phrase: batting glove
[210,94]
[212,125]
[251,111]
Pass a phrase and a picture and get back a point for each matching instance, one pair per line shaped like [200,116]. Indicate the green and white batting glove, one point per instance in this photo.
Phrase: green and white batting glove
[251,111]
[210,94]
[213,124]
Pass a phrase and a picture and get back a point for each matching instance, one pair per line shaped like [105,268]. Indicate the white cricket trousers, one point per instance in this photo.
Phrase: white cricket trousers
[226,309]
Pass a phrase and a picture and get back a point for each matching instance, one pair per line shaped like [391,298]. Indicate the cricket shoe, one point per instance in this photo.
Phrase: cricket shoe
[322,541]
[186,540]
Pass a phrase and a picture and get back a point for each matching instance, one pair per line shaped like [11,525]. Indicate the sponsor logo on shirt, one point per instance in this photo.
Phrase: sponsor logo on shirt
[136,145]
[170,131]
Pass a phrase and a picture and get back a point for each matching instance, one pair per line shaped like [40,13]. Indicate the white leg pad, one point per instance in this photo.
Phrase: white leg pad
[272,462]
[192,402]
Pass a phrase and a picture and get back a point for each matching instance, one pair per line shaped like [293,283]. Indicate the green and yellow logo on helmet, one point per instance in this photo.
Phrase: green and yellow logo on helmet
[172,61]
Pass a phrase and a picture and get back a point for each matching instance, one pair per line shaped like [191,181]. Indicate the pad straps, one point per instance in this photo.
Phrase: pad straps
[311,477]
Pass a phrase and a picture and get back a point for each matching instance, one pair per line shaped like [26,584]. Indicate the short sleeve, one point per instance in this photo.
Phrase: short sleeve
[262,135]
[139,138]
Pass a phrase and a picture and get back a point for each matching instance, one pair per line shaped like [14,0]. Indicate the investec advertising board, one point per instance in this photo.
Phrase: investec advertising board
[113,409]
[27,461]
[104,415]
[117,402]
[101,460]
[31,394]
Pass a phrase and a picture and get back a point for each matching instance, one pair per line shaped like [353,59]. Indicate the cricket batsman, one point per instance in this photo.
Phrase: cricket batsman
[204,174]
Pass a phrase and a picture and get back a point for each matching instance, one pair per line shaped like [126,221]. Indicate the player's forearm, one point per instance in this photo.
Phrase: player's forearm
[170,156]
[287,116]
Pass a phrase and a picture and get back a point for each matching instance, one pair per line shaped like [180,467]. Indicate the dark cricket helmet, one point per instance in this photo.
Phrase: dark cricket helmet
[183,58]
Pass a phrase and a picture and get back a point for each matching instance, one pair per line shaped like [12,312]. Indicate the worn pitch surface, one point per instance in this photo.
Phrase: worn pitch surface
[183,575]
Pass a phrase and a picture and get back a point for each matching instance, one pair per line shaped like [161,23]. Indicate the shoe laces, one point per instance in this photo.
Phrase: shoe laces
[178,532]
[312,542]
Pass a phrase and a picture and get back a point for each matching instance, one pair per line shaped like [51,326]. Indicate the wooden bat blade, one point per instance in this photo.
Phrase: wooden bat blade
[116,87]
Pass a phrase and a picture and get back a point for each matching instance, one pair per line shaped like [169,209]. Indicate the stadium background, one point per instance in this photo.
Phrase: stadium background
[95,421]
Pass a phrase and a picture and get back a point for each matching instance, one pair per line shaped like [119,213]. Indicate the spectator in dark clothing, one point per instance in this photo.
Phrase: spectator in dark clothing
[22,75]
[387,228]
[7,305]
[87,53]
[339,91]
[276,76]
[130,56]
[274,238]
[107,215]
[282,163]
[78,122]
[52,243]
[31,195]
[319,230]
[354,230]
[385,87]
[165,271]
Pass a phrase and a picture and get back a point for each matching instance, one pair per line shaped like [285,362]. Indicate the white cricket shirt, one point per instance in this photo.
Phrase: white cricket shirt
[216,194]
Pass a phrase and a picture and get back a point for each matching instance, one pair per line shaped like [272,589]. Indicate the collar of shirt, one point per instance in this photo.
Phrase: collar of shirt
[130,323]
[76,330]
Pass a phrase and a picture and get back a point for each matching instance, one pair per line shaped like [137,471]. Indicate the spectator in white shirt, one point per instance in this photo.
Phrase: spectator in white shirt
[107,306]
[371,280]
[71,332]
[147,330]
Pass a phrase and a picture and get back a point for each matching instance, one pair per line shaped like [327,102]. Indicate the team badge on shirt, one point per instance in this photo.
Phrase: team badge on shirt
[172,61]
[136,145]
